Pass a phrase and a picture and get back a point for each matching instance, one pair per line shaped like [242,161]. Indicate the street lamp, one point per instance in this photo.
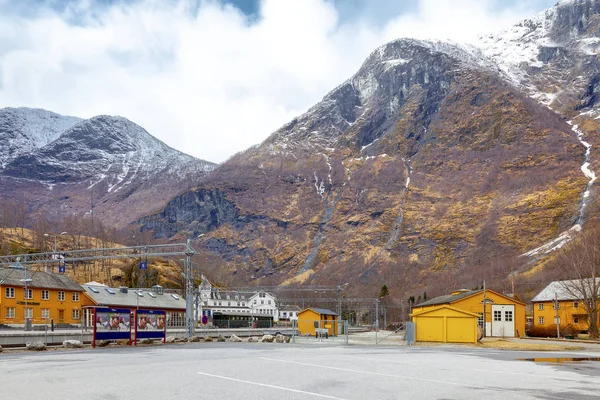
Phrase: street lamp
[51,234]
[25,280]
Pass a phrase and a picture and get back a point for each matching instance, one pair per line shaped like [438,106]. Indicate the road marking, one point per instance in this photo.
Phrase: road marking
[401,376]
[270,386]
[364,372]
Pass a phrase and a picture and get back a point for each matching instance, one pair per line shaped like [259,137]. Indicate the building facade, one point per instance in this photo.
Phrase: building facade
[504,315]
[563,298]
[38,297]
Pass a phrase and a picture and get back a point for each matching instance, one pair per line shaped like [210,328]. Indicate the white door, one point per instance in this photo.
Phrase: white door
[503,320]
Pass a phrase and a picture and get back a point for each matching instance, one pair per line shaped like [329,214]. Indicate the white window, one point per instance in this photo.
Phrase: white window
[29,312]
[45,295]
[29,295]
[540,320]
[10,293]
[229,303]
[75,296]
[262,302]
[575,319]
[45,313]
[508,316]
[269,301]
[575,304]
[556,305]
[243,304]
[480,320]
[254,301]
[10,312]
[75,314]
[497,315]
[61,296]
[541,306]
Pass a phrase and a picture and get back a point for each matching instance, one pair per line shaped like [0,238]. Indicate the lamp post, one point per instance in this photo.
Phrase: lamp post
[189,289]
[51,234]
[25,280]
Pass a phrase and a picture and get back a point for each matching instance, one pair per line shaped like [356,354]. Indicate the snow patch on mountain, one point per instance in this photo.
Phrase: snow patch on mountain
[23,130]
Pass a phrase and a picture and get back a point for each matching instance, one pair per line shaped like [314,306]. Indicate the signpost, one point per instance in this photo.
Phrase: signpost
[143,265]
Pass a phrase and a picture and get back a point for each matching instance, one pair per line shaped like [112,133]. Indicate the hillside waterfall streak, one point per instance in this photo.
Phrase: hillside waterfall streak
[585,168]
[400,218]
[567,236]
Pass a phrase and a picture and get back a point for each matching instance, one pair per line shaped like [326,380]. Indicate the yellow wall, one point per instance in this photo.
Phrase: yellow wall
[567,313]
[37,304]
[308,318]
[445,324]
[474,304]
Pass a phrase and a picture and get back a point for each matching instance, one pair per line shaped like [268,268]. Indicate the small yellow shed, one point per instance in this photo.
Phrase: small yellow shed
[311,319]
[445,324]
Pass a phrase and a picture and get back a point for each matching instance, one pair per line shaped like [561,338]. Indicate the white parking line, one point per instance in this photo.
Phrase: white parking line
[401,377]
[271,386]
[364,372]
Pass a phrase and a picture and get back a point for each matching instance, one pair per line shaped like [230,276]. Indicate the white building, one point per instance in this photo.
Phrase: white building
[263,303]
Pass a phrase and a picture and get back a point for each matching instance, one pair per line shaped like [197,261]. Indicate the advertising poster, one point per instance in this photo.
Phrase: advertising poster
[113,321]
[111,324]
[150,322]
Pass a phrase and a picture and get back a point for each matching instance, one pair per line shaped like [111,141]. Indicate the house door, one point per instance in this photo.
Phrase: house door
[61,316]
[503,320]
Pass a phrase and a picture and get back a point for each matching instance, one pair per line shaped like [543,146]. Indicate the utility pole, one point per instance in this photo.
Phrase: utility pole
[557,318]
[339,309]
[376,315]
[189,290]
[484,308]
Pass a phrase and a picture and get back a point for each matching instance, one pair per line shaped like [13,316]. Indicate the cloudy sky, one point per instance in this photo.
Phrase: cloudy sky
[212,77]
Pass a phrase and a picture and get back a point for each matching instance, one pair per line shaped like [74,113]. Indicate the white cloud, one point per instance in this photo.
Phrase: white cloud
[207,82]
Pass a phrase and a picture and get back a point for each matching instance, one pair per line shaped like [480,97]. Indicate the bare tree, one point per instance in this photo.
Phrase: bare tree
[579,266]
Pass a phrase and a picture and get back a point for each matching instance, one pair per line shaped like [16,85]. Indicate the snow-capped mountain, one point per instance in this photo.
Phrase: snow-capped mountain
[553,55]
[434,157]
[23,130]
[105,150]
[109,161]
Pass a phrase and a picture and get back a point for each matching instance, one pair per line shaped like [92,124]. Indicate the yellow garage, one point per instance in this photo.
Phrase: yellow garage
[445,324]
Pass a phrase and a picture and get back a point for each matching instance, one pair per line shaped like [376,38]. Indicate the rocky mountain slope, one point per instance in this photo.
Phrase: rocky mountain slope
[106,162]
[23,130]
[434,157]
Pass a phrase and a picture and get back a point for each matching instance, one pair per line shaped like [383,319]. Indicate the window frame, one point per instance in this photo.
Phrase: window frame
[9,290]
[45,292]
[10,312]
[497,316]
[540,320]
[61,296]
[75,314]
[540,306]
[576,304]
[28,294]
[47,312]
[75,297]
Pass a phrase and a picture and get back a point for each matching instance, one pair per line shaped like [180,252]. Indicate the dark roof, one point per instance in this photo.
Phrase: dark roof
[39,279]
[447,299]
[113,297]
[322,311]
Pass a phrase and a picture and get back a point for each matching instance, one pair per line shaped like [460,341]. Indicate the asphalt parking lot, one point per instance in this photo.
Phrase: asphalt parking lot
[294,371]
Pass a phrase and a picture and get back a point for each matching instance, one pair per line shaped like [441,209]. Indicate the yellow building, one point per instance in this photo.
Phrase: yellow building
[311,319]
[40,297]
[445,324]
[572,312]
[504,315]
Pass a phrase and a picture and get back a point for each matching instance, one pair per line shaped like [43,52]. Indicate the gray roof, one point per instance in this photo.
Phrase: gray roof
[39,279]
[131,299]
[566,290]
[322,311]
[447,299]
